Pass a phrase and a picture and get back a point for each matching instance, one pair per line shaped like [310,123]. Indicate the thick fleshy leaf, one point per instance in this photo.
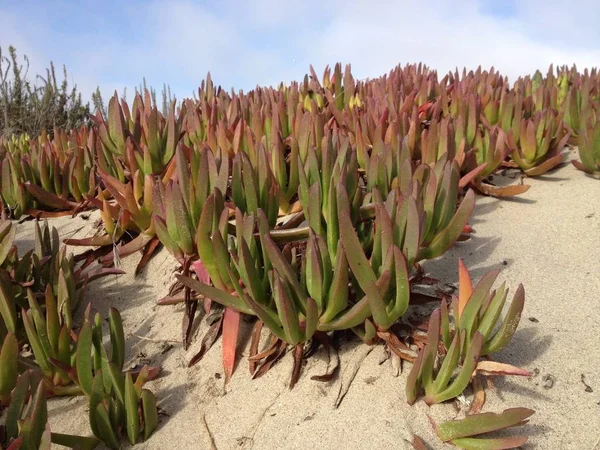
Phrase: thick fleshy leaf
[490,443]
[491,368]
[509,326]
[79,442]
[8,367]
[8,309]
[464,376]
[149,413]
[231,326]
[482,423]
[446,238]
[465,287]
[83,358]
[215,294]
[131,410]
[544,167]
[7,238]
[117,337]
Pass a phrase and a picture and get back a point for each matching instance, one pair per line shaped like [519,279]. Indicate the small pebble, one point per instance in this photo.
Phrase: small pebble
[548,381]
[534,320]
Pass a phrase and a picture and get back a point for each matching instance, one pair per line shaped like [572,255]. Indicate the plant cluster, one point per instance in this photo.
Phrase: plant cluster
[309,206]
[39,294]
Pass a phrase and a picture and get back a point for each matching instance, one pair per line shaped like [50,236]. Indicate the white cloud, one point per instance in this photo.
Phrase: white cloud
[268,41]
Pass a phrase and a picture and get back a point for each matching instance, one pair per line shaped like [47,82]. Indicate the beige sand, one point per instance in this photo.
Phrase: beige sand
[547,239]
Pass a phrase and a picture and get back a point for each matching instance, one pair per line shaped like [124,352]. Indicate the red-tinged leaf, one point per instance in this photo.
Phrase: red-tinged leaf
[465,287]
[149,372]
[497,368]
[544,167]
[171,300]
[298,351]
[231,327]
[413,382]
[418,444]
[478,396]
[149,250]
[207,341]
[204,277]
[96,241]
[501,191]
[135,245]
[471,176]
[482,423]
[528,141]
[280,348]
[273,346]
[16,444]
[49,199]
[398,347]
[490,443]
[583,168]
[100,272]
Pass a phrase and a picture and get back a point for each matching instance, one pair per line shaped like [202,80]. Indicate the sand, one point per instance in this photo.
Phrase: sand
[547,239]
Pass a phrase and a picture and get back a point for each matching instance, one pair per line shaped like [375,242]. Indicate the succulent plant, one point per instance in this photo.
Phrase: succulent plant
[491,149]
[588,144]
[541,142]
[440,385]
[479,309]
[44,268]
[15,198]
[476,313]
[26,426]
[53,174]
[115,398]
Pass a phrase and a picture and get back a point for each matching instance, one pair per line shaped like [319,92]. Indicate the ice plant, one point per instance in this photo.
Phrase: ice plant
[430,197]
[179,207]
[491,148]
[45,267]
[539,147]
[26,423]
[117,403]
[440,385]
[588,144]
[479,309]
[15,197]
[477,333]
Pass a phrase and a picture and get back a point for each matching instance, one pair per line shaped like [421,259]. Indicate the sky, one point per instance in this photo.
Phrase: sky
[114,44]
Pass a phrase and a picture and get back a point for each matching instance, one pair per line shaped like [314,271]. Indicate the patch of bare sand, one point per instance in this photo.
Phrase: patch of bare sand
[548,239]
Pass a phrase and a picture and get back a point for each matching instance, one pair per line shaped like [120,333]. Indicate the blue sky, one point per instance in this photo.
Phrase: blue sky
[113,44]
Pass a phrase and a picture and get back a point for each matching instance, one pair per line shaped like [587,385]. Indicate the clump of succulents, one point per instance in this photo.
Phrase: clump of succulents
[539,145]
[46,270]
[119,405]
[26,425]
[476,332]
[54,175]
[588,144]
